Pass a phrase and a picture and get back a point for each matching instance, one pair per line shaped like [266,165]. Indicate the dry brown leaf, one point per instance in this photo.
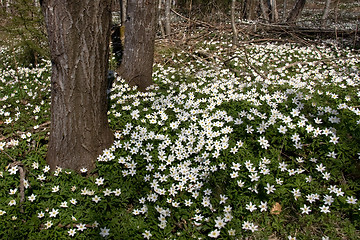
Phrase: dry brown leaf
[276,209]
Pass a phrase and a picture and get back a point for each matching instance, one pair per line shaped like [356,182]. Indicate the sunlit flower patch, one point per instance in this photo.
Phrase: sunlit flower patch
[251,148]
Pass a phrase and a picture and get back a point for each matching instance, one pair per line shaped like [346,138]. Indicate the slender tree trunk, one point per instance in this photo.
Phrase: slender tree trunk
[161,26]
[250,9]
[264,10]
[296,11]
[78,33]
[325,13]
[140,28]
[123,11]
[284,11]
[274,11]
[167,18]
[336,8]
[233,24]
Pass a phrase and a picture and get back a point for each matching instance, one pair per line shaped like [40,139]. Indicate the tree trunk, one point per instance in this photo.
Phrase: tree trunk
[264,10]
[250,9]
[233,24]
[167,18]
[140,28]
[123,6]
[274,11]
[284,11]
[326,13]
[78,33]
[161,26]
[296,11]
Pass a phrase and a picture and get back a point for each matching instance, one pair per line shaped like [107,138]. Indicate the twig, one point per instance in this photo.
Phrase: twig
[22,187]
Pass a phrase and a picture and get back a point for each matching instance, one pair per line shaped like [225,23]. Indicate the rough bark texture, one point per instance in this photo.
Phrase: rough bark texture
[78,33]
[296,11]
[140,28]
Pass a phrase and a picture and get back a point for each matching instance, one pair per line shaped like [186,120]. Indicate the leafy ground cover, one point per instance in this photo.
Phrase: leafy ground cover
[259,142]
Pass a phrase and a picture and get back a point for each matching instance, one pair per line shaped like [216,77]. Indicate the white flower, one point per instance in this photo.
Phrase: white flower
[13,170]
[104,232]
[99,181]
[251,207]
[81,227]
[351,200]
[55,189]
[263,206]
[48,224]
[41,214]
[12,202]
[214,234]
[72,232]
[305,209]
[32,197]
[324,209]
[219,223]
[147,234]
[96,199]
[54,212]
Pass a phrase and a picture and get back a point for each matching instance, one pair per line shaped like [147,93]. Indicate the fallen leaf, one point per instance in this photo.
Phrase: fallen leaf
[276,209]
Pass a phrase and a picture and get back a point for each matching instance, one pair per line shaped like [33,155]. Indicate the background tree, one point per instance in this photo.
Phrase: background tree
[78,33]
[167,18]
[140,29]
[325,13]
[296,11]
[233,24]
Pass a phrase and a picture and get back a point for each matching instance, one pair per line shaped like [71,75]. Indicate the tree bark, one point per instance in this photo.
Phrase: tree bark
[284,11]
[140,28]
[167,18]
[123,6]
[250,9]
[78,33]
[274,11]
[325,13]
[161,26]
[296,11]
[233,24]
[264,10]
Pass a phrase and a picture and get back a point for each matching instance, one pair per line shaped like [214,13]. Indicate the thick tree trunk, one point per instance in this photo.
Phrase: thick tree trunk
[296,11]
[78,33]
[140,28]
